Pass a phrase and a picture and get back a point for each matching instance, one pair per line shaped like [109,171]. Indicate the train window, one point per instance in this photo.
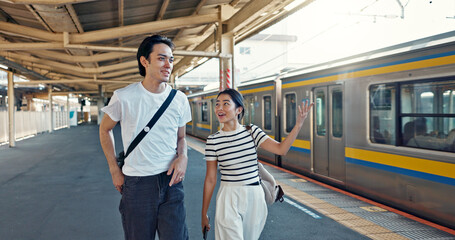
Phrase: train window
[382,114]
[291,111]
[428,115]
[320,113]
[337,113]
[267,113]
[204,112]
[249,111]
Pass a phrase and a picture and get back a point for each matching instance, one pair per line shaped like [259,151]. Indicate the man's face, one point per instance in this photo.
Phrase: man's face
[160,63]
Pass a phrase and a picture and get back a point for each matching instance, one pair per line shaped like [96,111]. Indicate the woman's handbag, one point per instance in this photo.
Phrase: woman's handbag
[272,191]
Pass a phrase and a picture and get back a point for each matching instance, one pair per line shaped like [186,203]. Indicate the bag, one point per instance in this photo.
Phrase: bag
[272,191]
[121,157]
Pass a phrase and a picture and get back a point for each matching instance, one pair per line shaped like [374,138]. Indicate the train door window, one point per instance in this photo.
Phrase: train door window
[382,114]
[337,113]
[267,112]
[320,113]
[249,111]
[291,111]
[428,115]
[204,112]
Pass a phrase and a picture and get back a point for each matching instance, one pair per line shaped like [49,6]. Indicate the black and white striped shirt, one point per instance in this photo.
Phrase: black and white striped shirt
[236,154]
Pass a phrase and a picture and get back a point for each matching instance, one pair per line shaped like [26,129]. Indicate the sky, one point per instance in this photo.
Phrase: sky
[332,29]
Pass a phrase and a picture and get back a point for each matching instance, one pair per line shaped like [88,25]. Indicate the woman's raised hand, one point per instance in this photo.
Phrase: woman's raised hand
[304,109]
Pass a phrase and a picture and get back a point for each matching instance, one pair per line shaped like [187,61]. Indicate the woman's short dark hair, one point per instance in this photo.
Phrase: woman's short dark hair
[236,97]
[146,48]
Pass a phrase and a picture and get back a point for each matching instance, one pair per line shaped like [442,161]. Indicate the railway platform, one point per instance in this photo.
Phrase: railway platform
[57,186]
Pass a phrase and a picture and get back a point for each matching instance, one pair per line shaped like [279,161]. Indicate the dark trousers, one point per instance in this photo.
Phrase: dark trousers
[149,205]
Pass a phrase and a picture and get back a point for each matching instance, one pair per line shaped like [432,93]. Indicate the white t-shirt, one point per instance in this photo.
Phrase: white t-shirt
[134,106]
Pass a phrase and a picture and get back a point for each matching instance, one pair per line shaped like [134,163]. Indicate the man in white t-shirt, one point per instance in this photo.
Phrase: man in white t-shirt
[151,179]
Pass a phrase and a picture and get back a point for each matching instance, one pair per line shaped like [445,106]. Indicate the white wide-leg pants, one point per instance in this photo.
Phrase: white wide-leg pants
[241,212]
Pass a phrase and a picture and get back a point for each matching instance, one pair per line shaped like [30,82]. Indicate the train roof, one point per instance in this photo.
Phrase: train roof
[415,45]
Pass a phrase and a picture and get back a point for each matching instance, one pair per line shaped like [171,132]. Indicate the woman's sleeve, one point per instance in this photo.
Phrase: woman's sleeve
[210,151]
[258,135]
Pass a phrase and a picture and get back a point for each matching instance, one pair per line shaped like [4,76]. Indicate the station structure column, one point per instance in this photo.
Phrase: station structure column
[68,111]
[226,44]
[11,111]
[51,120]
[100,103]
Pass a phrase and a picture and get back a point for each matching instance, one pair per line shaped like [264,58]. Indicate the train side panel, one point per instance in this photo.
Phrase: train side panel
[260,110]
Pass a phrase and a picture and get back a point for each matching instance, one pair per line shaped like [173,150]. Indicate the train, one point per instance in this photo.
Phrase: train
[383,123]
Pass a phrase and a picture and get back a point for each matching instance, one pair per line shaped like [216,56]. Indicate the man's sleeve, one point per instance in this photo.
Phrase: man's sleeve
[114,108]
[186,113]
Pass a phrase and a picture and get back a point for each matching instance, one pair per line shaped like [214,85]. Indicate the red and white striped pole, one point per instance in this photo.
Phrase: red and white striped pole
[228,78]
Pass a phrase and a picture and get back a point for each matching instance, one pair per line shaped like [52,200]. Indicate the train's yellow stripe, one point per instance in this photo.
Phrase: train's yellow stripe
[189,123]
[411,163]
[206,126]
[255,90]
[300,143]
[375,71]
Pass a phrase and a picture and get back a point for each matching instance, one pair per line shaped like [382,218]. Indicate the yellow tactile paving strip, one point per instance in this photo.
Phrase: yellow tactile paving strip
[352,221]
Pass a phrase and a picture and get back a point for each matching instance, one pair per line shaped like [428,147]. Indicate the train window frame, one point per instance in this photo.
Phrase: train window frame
[337,121]
[263,112]
[207,112]
[379,136]
[285,112]
[428,128]
[409,114]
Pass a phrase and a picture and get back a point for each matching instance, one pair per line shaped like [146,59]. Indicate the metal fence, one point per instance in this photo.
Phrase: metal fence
[31,123]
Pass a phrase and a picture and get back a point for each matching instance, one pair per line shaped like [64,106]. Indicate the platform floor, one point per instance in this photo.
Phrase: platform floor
[57,186]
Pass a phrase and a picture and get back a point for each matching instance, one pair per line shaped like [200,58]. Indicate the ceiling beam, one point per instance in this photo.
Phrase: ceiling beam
[71,67]
[252,10]
[162,10]
[80,59]
[72,81]
[178,68]
[29,32]
[142,28]
[31,46]
[46,2]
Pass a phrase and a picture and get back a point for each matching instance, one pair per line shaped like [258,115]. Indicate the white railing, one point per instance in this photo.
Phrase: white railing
[30,123]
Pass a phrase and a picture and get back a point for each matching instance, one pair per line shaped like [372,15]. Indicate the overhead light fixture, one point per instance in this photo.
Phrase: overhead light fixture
[3,66]
[294,4]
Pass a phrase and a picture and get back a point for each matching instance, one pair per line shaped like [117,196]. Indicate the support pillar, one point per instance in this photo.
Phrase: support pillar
[100,103]
[68,111]
[51,115]
[226,44]
[226,64]
[11,112]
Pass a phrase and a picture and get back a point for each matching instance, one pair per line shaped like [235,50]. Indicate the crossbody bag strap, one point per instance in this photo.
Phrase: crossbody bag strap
[152,122]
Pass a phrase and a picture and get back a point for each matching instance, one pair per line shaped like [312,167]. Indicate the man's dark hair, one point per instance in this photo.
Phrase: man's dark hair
[146,48]
[237,98]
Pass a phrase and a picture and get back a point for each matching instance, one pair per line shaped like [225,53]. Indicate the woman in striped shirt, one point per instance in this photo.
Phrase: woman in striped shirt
[241,210]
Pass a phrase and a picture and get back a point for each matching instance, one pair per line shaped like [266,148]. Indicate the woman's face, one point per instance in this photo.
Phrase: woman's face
[225,109]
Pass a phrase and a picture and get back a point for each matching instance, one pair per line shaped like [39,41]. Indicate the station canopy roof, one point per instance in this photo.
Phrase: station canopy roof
[81,44]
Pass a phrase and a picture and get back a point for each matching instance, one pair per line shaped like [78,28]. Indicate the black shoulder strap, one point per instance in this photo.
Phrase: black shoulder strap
[152,122]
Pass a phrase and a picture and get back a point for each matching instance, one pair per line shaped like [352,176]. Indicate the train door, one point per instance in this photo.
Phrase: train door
[249,111]
[328,137]
[213,119]
[194,119]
